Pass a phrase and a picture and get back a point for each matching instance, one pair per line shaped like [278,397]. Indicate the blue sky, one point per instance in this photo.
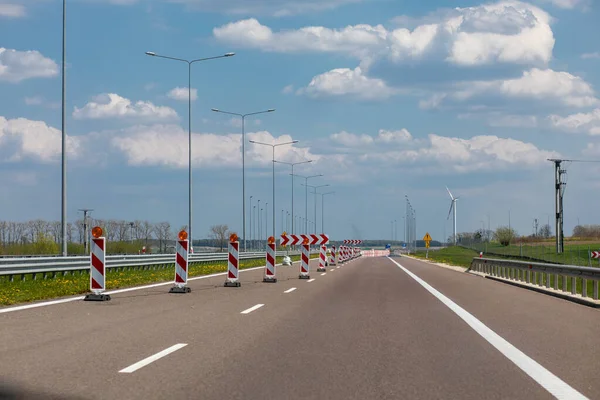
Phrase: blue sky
[389,98]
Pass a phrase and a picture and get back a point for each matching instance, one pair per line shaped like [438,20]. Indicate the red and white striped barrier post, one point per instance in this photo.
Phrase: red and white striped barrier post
[332,260]
[322,259]
[233,271]
[181,264]
[97,267]
[270,262]
[304,264]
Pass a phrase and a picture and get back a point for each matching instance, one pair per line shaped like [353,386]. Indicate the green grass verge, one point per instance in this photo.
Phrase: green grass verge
[574,254]
[28,290]
[458,256]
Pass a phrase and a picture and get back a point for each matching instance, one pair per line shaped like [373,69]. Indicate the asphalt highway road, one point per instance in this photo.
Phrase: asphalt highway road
[370,329]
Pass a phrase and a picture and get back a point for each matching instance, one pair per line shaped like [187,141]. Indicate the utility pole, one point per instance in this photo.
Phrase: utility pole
[85,235]
[559,190]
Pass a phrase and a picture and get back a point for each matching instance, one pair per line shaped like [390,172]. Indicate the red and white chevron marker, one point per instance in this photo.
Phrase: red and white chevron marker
[322,259]
[97,267]
[595,254]
[270,262]
[332,256]
[233,271]
[304,265]
[181,265]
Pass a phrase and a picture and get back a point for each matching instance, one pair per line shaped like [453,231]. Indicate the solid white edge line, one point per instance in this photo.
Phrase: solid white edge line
[253,308]
[53,302]
[151,359]
[310,280]
[290,290]
[553,384]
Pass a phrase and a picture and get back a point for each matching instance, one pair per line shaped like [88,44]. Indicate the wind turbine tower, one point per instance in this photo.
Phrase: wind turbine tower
[452,207]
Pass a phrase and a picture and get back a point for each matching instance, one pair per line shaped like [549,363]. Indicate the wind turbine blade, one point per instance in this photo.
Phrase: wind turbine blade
[452,197]
[450,212]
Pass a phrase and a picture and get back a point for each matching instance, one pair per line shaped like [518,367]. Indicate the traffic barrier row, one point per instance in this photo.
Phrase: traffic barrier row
[98,264]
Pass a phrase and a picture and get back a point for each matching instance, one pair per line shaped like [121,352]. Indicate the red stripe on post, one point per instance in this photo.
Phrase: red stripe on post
[233,260]
[231,275]
[184,244]
[178,279]
[270,259]
[97,264]
[99,243]
[95,285]
[181,262]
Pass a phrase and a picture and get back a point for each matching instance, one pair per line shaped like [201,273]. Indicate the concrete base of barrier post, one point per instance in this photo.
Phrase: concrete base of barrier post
[180,289]
[97,297]
[232,284]
[269,280]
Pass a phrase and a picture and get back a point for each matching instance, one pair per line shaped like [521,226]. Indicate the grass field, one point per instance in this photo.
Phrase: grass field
[576,252]
[40,289]
[458,256]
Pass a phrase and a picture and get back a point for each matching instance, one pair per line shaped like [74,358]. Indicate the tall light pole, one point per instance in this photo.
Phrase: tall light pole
[322,210]
[243,116]
[315,193]
[253,231]
[306,178]
[273,147]
[63,212]
[189,63]
[250,224]
[293,164]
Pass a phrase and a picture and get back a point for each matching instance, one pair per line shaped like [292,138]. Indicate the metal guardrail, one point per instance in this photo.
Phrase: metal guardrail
[44,265]
[568,279]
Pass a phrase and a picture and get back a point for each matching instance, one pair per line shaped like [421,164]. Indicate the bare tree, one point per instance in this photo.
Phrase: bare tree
[122,229]
[56,229]
[80,230]
[146,230]
[545,231]
[162,231]
[219,234]
[70,232]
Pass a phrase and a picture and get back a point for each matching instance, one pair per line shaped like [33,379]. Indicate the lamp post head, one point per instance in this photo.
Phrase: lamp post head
[215,109]
[271,110]
[150,53]
[229,54]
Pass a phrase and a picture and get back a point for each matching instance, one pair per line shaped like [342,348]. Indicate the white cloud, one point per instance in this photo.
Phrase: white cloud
[34,101]
[16,66]
[111,105]
[539,84]
[592,150]
[166,145]
[288,89]
[477,154]
[506,32]
[348,82]
[26,139]
[12,10]
[580,122]
[182,94]
[587,56]
[501,120]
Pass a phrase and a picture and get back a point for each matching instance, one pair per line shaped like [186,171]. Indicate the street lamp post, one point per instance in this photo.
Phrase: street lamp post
[315,193]
[64,137]
[189,63]
[273,147]
[250,224]
[323,210]
[293,164]
[306,178]
[243,116]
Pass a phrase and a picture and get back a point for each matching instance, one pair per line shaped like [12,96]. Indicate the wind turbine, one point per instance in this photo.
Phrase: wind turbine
[452,207]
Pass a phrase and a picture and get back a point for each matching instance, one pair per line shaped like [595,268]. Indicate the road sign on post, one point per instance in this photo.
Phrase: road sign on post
[427,239]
